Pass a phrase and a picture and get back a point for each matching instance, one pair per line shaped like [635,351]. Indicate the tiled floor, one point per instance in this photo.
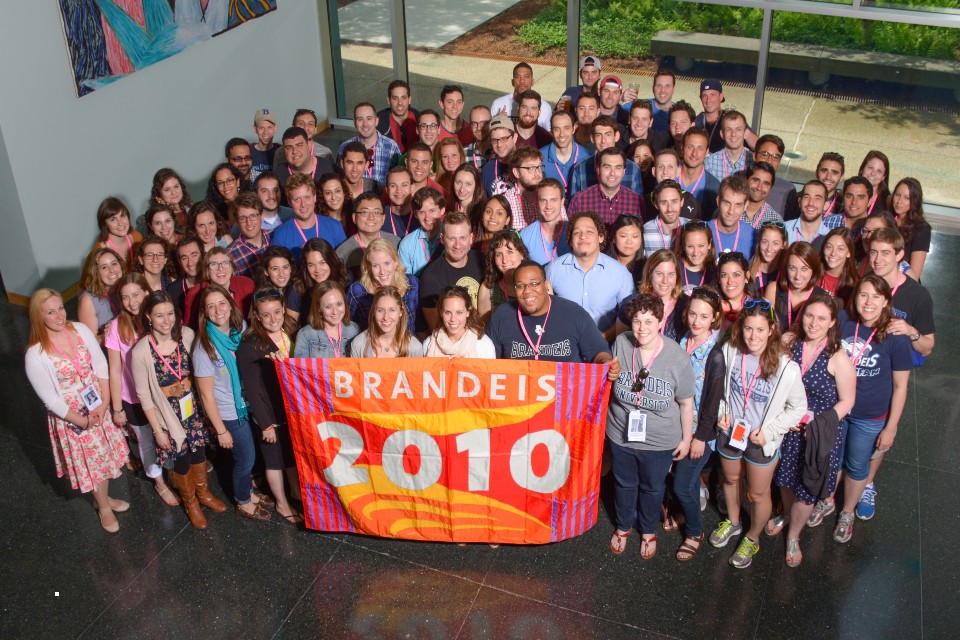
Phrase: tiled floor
[62,576]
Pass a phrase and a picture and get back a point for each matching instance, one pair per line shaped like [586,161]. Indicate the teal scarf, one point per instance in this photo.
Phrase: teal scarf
[226,346]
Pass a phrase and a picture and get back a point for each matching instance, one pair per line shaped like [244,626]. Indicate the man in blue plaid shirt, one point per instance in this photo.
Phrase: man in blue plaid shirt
[253,240]
[382,152]
[605,134]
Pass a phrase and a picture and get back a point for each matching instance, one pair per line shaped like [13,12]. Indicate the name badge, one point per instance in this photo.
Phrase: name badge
[637,427]
[740,434]
[91,397]
[186,406]
[807,418]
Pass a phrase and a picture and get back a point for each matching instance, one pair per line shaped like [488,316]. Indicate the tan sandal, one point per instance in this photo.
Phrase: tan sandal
[618,543]
[167,496]
[687,550]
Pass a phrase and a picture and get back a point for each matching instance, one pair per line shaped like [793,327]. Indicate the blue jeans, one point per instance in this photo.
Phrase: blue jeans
[686,485]
[243,456]
[861,442]
[640,478]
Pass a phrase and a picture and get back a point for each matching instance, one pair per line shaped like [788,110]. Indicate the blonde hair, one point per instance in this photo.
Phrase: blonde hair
[38,330]
[400,280]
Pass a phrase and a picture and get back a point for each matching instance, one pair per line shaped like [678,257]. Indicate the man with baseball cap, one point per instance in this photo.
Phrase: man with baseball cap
[496,173]
[611,92]
[590,69]
[711,97]
[264,149]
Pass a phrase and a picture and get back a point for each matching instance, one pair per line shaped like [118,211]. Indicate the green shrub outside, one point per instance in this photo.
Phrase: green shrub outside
[623,29]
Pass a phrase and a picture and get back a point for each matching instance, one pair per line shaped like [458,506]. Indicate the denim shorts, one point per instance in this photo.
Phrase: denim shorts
[861,442]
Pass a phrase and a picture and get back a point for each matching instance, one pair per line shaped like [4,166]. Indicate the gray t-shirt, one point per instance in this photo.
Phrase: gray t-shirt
[204,367]
[670,380]
[759,393]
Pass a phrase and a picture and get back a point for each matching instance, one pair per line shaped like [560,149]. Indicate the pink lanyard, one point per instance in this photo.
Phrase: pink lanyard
[313,174]
[556,243]
[393,224]
[667,310]
[362,247]
[336,344]
[743,379]
[799,236]
[686,281]
[637,375]
[855,357]
[693,346]
[316,229]
[563,178]
[423,243]
[695,184]
[736,240]
[75,358]
[757,219]
[829,206]
[726,169]
[663,238]
[409,222]
[804,363]
[129,246]
[900,280]
[543,330]
[790,304]
[760,282]
[178,374]
[873,201]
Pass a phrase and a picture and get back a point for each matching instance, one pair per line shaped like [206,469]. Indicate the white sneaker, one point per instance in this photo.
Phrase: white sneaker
[704,496]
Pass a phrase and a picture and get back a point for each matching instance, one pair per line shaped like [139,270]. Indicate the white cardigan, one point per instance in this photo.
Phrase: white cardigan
[786,405]
[43,377]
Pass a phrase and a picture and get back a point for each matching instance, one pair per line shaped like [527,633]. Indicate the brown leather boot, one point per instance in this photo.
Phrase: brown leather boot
[188,494]
[198,473]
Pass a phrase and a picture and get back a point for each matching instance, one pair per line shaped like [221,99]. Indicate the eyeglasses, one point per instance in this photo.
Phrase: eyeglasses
[249,218]
[766,155]
[223,183]
[267,294]
[428,125]
[537,168]
[217,266]
[154,256]
[239,158]
[501,139]
[763,303]
[479,123]
[523,286]
[695,225]
[369,213]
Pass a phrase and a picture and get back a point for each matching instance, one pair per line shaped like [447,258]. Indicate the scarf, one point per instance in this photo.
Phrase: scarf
[465,347]
[226,346]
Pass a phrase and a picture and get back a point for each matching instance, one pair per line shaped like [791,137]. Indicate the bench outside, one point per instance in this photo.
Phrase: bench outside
[817,60]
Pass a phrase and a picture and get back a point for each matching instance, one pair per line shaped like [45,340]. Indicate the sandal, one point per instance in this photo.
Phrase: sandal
[618,543]
[687,550]
[259,513]
[294,518]
[167,496]
[646,544]
[775,525]
[794,555]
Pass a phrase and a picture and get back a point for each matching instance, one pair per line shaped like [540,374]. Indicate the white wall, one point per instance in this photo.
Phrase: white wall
[67,153]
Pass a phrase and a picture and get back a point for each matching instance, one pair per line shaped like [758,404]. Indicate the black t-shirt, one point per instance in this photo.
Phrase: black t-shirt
[569,334]
[919,240]
[440,274]
[912,303]
[262,160]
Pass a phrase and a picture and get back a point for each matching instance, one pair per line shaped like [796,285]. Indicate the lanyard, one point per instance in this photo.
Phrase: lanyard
[663,238]
[560,171]
[830,204]
[790,304]
[743,379]
[338,343]
[556,243]
[798,236]
[74,349]
[313,174]
[129,246]
[178,374]
[362,246]
[900,280]
[423,244]
[726,169]
[736,240]
[693,346]
[696,184]
[284,345]
[316,229]
[758,219]
[686,280]
[806,364]
[543,330]
[667,310]
[873,201]
[855,357]
[640,376]
[760,282]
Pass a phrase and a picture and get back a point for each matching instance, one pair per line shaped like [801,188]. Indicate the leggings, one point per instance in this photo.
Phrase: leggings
[186,459]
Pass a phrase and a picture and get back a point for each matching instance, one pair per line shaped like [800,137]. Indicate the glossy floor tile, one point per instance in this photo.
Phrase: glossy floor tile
[159,578]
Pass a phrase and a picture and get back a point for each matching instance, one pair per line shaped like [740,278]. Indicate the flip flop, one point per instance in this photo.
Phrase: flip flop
[645,544]
[618,543]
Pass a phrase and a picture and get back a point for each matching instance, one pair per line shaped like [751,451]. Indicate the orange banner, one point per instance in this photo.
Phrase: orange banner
[445,450]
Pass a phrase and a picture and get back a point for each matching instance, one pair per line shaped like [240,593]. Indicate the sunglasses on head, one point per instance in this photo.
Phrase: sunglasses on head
[267,294]
[694,225]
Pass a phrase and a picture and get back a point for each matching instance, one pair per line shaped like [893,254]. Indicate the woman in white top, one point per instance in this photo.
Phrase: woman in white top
[460,333]
[67,370]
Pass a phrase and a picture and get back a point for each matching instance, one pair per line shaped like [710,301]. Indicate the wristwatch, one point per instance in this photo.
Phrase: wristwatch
[915,337]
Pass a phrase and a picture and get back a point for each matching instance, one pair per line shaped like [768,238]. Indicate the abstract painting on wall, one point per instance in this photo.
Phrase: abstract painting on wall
[110,39]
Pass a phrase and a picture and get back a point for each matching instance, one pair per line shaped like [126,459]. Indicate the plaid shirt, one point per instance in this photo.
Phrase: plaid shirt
[625,202]
[524,210]
[719,166]
[585,175]
[655,237]
[474,157]
[386,155]
[246,256]
[766,214]
[838,220]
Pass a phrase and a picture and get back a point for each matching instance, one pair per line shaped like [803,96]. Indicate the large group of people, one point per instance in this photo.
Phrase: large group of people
[759,339]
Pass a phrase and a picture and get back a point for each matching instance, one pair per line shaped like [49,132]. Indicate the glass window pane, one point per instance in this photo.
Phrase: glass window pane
[361,40]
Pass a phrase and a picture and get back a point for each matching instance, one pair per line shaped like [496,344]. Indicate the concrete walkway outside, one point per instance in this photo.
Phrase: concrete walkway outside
[919,144]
